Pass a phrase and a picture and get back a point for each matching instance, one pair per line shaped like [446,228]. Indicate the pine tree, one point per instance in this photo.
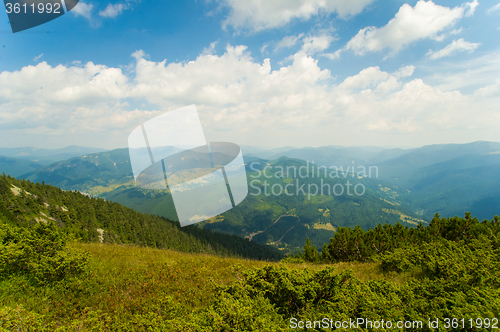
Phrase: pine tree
[310,252]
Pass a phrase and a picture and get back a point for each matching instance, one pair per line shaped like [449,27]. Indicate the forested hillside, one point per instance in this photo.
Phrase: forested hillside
[283,221]
[409,186]
[24,203]
[443,178]
[286,219]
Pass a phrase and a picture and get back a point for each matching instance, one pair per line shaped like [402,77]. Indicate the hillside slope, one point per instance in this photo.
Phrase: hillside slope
[96,220]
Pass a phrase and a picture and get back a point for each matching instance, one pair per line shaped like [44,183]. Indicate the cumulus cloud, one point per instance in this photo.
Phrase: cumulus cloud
[409,25]
[88,84]
[459,45]
[45,96]
[86,10]
[239,78]
[367,77]
[113,10]
[206,50]
[239,99]
[258,15]
[332,55]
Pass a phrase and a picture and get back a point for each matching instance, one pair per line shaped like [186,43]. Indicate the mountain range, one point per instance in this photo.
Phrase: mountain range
[444,178]
[406,185]
[18,161]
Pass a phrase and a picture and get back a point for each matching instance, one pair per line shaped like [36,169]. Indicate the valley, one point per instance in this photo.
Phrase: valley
[407,186]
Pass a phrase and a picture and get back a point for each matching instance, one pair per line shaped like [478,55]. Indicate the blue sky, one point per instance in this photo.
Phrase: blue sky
[266,73]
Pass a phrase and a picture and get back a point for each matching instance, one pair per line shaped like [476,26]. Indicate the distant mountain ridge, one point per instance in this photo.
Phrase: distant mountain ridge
[19,161]
[17,167]
[32,152]
[442,178]
[417,183]
[97,170]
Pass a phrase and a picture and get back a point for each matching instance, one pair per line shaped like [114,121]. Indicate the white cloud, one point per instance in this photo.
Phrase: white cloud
[464,75]
[492,90]
[471,8]
[239,100]
[139,54]
[409,25]
[287,42]
[206,50]
[459,45]
[257,15]
[333,55]
[405,71]
[264,47]
[494,8]
[112,10]
[238,78]
[83,9]
[315,44]
[43,84]
[37,57]
[366,78]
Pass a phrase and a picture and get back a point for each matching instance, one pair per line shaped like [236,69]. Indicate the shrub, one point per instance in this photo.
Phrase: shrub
[39,252]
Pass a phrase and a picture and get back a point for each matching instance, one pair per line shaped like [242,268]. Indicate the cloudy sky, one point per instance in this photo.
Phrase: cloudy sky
[263,73]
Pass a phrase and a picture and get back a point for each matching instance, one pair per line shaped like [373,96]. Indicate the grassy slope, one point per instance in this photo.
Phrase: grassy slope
[128,283]
[451,271]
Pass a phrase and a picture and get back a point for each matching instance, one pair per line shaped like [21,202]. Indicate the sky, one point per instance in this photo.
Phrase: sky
[261,73]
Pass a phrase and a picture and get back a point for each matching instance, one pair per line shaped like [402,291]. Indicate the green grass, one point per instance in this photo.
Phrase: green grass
[131,288]
[128,283]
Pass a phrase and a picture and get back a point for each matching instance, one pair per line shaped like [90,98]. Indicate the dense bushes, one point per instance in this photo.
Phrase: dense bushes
[138,289]
[446,280]
[355,244]
[38,252]
[462,265]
